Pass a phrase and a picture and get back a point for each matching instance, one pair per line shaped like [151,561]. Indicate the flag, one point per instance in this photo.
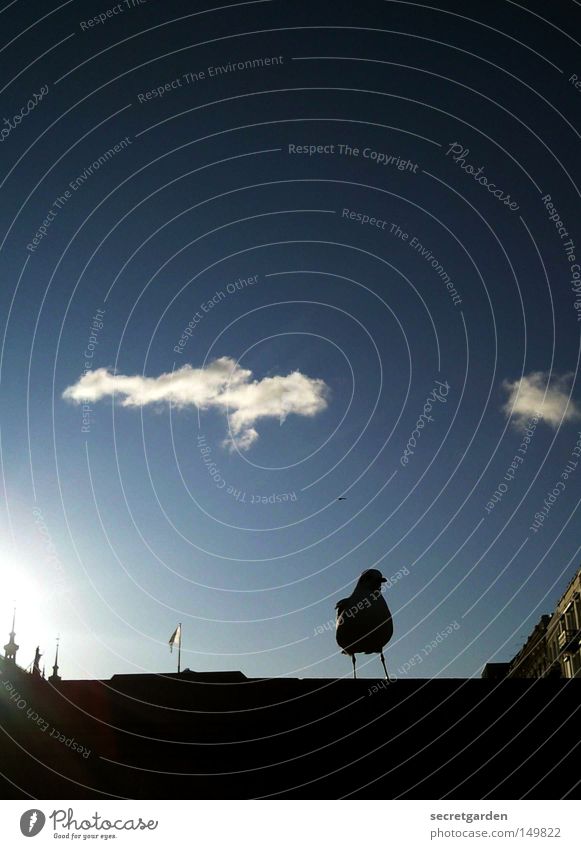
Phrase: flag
[176,637]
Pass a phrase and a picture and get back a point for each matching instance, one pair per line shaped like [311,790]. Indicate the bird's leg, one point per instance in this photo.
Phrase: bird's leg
[387,678]
[353,662]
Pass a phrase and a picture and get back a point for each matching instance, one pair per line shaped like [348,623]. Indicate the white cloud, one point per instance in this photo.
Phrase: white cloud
[532,395]
[220,385]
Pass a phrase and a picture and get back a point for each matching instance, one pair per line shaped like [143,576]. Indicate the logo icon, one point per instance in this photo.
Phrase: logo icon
[32,822]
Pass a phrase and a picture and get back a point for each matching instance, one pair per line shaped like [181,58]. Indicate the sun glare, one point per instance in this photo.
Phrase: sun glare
[23,592]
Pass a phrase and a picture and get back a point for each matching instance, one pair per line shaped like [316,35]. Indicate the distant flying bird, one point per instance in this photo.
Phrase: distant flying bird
[342,498]
[364,624]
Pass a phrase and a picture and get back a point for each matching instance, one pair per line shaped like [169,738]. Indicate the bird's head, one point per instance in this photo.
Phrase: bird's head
[371,579]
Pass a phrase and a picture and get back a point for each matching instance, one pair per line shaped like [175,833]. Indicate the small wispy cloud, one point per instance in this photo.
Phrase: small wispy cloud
[222,385]
[533,394]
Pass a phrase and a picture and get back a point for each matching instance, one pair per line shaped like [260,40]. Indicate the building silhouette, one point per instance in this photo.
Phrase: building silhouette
[553,649]
[563,638]
[531,660]
[495,671]
[207,735]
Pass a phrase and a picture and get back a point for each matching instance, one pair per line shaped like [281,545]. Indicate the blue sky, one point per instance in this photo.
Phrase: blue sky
[116,526]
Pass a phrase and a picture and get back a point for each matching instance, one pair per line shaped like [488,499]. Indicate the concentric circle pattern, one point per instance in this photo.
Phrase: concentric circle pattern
[289,291]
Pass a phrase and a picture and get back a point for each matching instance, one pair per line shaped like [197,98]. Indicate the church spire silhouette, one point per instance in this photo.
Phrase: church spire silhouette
[11,647]
[55,677]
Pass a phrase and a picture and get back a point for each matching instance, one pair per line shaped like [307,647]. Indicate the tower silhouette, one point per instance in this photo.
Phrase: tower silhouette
[11,647]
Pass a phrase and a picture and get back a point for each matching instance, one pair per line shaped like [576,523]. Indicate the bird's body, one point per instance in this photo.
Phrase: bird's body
[364,624]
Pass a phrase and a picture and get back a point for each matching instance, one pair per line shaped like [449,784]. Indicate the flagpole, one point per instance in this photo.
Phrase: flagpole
[180,648]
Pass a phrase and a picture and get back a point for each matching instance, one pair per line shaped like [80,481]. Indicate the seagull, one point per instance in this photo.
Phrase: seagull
[364,623]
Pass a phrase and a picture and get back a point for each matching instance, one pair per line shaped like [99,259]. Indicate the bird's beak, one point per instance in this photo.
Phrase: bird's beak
[384,580]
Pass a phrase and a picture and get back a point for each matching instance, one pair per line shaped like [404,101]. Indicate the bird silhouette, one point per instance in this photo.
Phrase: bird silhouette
[364,624]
